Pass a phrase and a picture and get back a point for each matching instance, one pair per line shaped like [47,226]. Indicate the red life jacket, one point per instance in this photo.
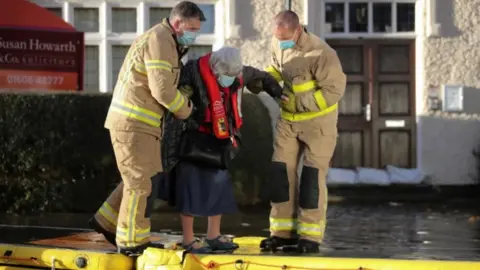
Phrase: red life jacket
[216,118]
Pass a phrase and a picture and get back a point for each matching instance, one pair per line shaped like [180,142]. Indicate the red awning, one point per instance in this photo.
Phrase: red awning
[24,14]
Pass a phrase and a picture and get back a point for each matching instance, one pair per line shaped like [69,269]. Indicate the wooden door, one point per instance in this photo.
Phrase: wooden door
[377,113]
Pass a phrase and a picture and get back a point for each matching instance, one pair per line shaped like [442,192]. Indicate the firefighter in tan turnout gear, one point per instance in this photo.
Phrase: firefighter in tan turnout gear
[146,88]
[314,83]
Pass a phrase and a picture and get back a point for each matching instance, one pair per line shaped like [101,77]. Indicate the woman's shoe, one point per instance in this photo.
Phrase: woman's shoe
[221,243]
[198,247]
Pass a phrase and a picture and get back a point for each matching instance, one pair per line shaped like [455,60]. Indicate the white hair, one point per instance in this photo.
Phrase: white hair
[226,61]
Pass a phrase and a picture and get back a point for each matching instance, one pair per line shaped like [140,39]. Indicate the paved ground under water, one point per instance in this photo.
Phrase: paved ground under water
[382,230]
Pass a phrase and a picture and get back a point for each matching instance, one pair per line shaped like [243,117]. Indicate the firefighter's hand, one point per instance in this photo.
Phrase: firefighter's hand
[186,90]
[288,102]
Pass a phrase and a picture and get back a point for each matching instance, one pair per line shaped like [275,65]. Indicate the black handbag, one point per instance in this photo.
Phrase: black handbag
[208,150]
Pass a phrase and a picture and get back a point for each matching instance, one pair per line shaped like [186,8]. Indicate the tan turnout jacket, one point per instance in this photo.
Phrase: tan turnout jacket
[147,84]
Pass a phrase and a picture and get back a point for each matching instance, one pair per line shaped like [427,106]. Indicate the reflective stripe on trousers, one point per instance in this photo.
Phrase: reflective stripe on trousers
[129,235]
[107,212]
[283,224]
[129,110]
[311,229]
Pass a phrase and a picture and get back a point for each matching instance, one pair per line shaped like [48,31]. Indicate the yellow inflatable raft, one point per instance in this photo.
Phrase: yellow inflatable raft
[61,255]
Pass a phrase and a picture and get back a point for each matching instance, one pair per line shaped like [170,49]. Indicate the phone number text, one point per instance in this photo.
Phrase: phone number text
[42,80]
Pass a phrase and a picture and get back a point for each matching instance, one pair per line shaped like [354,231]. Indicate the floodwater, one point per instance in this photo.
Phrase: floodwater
[382,230]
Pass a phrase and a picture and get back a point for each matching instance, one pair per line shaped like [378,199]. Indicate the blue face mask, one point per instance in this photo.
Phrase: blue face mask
[286,44]
[188,38]
[225,81]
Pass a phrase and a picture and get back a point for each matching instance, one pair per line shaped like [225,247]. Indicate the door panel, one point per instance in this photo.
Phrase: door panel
[393,108]
[349,151]
[395,148]
[353,127]
[352,101]
[377,113]
[394,98]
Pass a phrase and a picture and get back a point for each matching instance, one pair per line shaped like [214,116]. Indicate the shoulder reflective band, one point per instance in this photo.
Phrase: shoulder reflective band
[177,103]
[132,111]
[158,64]
[274,72]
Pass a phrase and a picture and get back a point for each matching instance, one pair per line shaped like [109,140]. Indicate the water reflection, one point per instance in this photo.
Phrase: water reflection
[388,230]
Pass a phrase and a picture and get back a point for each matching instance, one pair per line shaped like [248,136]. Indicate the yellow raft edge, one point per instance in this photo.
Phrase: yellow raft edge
[21,255]
[65,258]
[260,262]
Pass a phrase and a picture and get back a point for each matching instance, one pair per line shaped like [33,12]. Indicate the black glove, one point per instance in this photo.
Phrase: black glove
[272,87]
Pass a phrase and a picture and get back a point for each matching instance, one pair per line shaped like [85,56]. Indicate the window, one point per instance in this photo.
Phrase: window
[86,19]
[124,20]
[157,14]
[118,55]
[91,69]
[382,17]
[358,17]
[369,17]
[334,17]
[208,27]
[405,17]
[57,11]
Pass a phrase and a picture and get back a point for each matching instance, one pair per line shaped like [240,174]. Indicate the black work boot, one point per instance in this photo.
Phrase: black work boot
[110,237]
[274,242]
[138,250]
[308,246]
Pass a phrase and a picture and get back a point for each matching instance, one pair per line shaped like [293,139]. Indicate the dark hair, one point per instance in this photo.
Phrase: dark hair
[288,18]
[187,10]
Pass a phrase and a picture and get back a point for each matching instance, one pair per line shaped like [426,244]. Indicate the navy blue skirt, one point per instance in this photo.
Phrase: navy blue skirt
[203,191]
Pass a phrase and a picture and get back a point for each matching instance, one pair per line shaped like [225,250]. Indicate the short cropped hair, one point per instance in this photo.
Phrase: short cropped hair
[287,19]
[187,10]
[226,61]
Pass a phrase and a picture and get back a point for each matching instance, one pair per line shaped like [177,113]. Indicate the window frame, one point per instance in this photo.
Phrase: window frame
[127,35]
[97,44]
[370,32]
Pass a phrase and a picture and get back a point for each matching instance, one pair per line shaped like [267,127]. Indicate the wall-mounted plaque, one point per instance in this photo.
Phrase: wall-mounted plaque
[452,98]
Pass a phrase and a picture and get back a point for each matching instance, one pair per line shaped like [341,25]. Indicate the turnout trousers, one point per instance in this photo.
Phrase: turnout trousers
[126,212]
[299,204]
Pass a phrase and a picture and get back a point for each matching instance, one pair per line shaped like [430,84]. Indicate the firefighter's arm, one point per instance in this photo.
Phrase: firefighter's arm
[274,69]
[161,62]
[330,79]
[186,79]
[258,81]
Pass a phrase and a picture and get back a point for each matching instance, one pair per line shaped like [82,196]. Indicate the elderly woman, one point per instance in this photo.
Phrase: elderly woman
[197,152]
